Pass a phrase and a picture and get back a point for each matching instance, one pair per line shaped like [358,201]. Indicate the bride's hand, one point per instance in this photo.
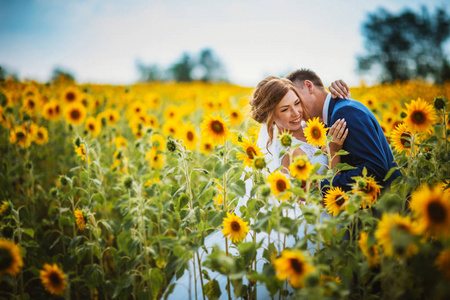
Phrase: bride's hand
[338,132]
[339,89]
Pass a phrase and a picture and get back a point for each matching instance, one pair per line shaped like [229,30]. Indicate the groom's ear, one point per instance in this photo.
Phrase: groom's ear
[309,85]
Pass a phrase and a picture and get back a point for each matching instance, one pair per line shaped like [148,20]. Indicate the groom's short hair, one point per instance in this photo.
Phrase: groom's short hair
[304,74]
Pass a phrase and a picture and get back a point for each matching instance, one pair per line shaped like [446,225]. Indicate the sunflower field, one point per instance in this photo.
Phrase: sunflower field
[109,192]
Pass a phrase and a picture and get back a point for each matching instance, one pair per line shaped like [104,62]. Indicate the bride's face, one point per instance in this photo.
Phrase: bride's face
[289,112]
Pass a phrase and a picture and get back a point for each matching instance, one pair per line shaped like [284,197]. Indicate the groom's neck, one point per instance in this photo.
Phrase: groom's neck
[321,96]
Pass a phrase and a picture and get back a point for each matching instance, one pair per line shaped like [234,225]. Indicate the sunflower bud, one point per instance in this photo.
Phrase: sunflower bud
[128,182]
[54,192]
[70,127]
[85,132]
[239,138]
[77,141]
[5,208]
[285,139]
[403,115]
[104,122]
[64,180]
[26,117]
[259,163]
[264,190]
[171,146]
[149,130]
[440,103]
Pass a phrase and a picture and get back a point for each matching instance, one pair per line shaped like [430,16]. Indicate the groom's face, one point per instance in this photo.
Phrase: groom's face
[289,112]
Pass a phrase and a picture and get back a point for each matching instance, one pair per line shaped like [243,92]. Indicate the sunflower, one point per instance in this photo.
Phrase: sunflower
[371,190]
[81,152]
[152,181]
[370,252]
[443,262]
[136,109]
[315,132]
[292,264]
[155,158]
[171,128]
[70,96]
[159,142]
[172,112]
[5,208]
[41,136]
[394,234]
[30,105]
[120,142]
[285,139]
[80,219]
[301,167]
[75,114]
[251,150]
[215,128]
[19,136]
[152,122]
[420,116]
[189,136]
[335,200]
[279,185]
[218,199]
[236,117]
[93,125]
[328,278]
[401,138]
[234,228]
[153,101]
[10,258]
[53,279]
[51,111]
[110,117]
[431,206]
[206,146]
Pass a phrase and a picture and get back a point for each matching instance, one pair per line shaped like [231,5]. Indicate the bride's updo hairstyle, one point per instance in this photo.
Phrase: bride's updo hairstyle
[267,94]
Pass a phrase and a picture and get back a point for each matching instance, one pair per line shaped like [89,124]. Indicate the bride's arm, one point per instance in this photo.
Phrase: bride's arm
[338,133]
[286,159]
[339,89]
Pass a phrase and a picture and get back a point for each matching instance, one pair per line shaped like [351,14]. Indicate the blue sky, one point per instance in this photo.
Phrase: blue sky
[101,40]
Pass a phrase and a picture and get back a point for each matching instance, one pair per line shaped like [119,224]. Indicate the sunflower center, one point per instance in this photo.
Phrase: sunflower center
[315,133]
[436,212]
[300,165]
[251,153]
[40,135]
[217,127]
[207,146]
[371,251]
[368,189]
[31,104]
[340,200]
[404,139]
[50,111]
[190,136]
[297,265]
[281,185]
[55,279]
[234,114]
[20,135]
[75,114]
[418,117]
[111,118]
[402,227]
[70,96]
[156,158]
[57,109]
[6,259]
[235,226]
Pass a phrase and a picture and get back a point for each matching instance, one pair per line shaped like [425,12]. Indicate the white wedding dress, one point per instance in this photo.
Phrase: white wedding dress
[181,289]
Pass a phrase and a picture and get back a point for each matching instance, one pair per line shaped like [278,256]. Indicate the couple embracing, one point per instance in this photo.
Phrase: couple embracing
[286,102]
[283,104]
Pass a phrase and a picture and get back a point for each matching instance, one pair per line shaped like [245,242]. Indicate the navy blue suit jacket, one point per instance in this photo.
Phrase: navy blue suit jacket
[366,143]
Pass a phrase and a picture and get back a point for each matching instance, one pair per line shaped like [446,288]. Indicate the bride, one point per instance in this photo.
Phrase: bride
[276,104]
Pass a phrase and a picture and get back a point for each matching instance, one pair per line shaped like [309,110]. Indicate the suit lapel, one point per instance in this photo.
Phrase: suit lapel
[330,110]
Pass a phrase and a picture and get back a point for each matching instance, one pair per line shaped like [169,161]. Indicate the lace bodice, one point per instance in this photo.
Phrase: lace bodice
[309,151]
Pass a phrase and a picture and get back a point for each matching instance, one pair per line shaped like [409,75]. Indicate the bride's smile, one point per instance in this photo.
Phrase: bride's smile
[289,112]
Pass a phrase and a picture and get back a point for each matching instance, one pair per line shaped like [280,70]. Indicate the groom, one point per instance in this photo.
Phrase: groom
[365,142]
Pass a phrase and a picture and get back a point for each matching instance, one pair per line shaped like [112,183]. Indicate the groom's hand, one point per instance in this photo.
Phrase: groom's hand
[339,89]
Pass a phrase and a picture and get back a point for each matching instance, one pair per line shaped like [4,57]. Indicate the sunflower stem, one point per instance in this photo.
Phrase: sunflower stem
[228,277]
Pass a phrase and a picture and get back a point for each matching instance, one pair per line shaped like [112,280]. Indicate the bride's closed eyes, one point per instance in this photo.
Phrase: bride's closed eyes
[295,104]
